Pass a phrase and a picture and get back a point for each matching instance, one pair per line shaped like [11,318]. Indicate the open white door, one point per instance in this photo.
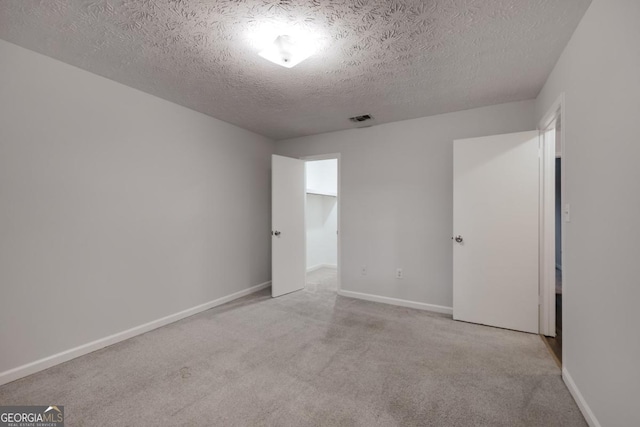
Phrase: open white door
[288,251]
[495,225]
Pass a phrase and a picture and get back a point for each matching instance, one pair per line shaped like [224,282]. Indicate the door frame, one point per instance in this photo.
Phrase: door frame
[547,213]
[329,156]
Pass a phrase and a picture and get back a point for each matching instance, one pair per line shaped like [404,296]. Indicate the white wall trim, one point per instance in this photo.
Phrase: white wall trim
[556,109]
[328,156]
[47,362]
[577,396]
[396,301]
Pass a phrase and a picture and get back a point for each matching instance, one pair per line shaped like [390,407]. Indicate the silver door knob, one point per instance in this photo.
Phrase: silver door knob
[458,238]
[277,233]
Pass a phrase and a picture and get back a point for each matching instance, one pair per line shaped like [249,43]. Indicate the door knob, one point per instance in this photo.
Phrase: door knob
[458,238]
[277,233]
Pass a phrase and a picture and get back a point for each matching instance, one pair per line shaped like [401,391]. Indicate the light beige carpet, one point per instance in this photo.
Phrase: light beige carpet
[310,359]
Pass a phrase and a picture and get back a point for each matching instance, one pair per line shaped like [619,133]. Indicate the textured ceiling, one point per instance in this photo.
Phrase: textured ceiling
[394,60]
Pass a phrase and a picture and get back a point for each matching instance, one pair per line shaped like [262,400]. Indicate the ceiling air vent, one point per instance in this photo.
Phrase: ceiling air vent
[360,119]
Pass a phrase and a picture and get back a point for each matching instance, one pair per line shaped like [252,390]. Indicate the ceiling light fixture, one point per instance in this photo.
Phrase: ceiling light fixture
[288,51]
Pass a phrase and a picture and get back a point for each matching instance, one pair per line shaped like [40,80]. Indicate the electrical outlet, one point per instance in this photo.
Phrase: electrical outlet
[399,274]
[363,270]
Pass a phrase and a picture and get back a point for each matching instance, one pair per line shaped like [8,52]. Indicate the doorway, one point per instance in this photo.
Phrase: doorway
[554,212]
[289,266]
[555,343]
[321,223]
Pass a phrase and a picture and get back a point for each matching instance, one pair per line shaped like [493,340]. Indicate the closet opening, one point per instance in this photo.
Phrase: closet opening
[321,218]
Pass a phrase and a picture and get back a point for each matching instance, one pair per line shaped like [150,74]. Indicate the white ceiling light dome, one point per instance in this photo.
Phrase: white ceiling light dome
[288,51]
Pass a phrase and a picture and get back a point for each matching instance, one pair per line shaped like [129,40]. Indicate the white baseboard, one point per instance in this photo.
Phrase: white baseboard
[395,301]
[577,396]
[319,266]
[47,362]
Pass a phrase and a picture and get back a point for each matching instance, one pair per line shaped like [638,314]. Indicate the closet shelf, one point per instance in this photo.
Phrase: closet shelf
[321,193]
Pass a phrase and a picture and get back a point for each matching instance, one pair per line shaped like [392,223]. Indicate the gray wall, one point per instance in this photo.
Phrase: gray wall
[396,197]
[599,72]
[116,208]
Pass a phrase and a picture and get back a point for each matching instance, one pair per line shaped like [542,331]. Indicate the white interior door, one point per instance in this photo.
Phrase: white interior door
[495,217]
[288,251]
